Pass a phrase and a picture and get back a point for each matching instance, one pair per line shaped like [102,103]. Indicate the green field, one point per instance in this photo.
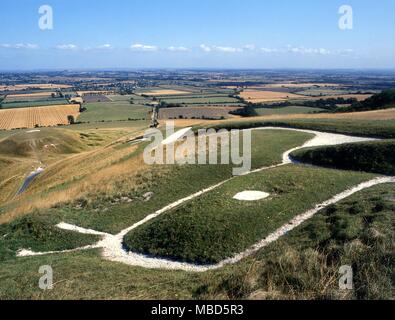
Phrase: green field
[137,99]
[33,103]
[113,111]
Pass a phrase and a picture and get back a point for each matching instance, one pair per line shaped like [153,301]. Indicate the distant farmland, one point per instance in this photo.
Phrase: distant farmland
[37,116]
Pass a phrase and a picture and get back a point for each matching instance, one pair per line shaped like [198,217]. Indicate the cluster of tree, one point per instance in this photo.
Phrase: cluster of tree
[164,104]
[126,91]
[330,104]
[58,94]
[247,111]
[383,100]
[82,108]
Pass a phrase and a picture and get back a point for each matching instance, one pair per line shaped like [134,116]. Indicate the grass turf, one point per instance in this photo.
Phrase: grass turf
[215,226]
[303,264]
[377,156]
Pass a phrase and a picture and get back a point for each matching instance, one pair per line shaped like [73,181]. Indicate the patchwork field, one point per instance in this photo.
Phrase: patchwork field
[37,116]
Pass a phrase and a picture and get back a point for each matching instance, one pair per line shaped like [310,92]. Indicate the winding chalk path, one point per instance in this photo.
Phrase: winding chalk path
[112,245]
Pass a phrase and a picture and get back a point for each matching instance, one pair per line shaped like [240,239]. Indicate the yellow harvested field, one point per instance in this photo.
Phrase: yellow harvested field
[37,116]
[256,96]
[165,92]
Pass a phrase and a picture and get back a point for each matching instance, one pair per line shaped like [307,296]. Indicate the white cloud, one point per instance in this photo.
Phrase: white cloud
[143,47]
[105,46]
[20,46]
[227,49]
[250,47]
[178,49]
[206,48]
[269,50]
[303,50]
[66,47]
[345,52]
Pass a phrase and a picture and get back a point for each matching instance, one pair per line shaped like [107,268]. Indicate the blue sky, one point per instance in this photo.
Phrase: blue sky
[197,34]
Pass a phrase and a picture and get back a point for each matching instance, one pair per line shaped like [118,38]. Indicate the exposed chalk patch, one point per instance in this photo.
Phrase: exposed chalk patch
[251,195]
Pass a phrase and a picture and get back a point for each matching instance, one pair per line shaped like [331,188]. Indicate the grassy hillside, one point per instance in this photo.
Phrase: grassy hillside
[363,128]
[43,139]
[378,157]
[216,226]
[305,263]
[90,187]
[38,233]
